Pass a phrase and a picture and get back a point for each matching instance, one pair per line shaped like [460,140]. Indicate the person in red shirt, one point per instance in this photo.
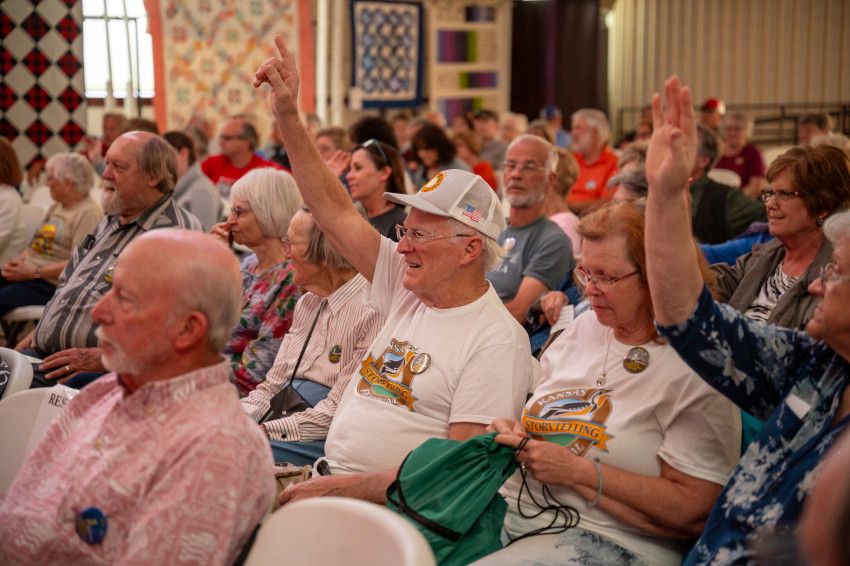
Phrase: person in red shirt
[238,140]
[597,163]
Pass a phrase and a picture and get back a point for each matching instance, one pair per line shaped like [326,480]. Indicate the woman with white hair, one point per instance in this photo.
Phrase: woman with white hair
[32,277]
[263,203]
[740,156]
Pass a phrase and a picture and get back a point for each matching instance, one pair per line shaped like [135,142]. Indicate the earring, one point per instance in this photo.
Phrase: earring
[819,221]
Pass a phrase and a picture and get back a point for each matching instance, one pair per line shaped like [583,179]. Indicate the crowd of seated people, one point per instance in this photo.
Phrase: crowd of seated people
[394,304]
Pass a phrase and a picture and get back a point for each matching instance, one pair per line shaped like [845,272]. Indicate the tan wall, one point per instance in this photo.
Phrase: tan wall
[743,51]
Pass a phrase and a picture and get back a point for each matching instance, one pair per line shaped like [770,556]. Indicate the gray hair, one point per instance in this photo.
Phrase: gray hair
[597,120]
[73,168]
[745,120]
[634,153]
[707,146]
[551,149]
[491,254]
[837,227]
[319,248]
[634,180]
[273,197]
[158,160]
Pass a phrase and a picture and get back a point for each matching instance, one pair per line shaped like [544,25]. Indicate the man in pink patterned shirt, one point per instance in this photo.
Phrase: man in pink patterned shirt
[155,463]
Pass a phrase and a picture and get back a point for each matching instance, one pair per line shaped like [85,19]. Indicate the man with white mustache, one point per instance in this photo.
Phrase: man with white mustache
[141,171]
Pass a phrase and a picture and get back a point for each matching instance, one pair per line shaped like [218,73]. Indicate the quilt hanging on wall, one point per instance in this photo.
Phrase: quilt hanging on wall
[42,95]
[387,53]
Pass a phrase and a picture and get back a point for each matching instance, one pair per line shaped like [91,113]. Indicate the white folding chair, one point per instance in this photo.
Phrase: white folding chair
[20,372]
[725,177]
[340,531]
[24,417]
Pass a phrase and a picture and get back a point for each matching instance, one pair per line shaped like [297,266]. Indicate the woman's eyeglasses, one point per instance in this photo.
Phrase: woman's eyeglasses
[602,283]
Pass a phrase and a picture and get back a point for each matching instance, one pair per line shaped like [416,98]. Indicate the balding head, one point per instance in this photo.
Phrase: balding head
[175,299]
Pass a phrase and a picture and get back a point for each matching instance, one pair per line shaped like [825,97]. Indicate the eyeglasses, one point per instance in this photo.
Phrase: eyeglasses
[377,144]
[827,274]
[238,211]
[225,137]
[524,168]
[781,196]
[602,283]
[287,245]
[415,238]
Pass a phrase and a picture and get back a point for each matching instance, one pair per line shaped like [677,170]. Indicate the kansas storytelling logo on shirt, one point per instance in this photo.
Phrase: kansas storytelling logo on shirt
[470,211]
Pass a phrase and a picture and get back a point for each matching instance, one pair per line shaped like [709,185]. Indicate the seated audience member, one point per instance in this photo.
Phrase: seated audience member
[468,145]
[711,114]
[141,170]
[512,126]
[460,123]
[155,463]
[239,140]
[773,282]
[719,212]
[32,277]
[372,128]
[492,147]
[555,119]
[796,381]
[264,201]
[434,152]
[537,251]
[400,123]
[541,129]
[375,169]
[34,178]
[811,124]
[597,163]
[274,150]
[12,237]
[660,442]
[555,205]
[331,140]
[642,131]
[739,155]
[633,156]
[193,191]
[450,357]
[200,139]
[114,124]
[332,348]
[630,184]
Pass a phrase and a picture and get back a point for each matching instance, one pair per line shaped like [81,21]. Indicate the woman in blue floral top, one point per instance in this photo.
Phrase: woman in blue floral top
[796,381]
[264,201]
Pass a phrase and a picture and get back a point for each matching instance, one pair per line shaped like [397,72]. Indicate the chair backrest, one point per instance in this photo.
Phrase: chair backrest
[342,531]
[24,417]
[725,177]
[20,372]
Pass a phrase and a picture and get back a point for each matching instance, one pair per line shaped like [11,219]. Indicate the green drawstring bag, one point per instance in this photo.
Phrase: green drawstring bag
[449,491]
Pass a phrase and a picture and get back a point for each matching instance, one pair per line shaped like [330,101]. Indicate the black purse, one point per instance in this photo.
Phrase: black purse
[288,401]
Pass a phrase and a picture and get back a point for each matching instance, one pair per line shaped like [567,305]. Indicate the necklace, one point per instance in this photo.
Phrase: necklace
[600,381]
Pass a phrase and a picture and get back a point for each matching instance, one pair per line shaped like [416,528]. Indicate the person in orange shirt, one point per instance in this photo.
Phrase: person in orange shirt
[597,163]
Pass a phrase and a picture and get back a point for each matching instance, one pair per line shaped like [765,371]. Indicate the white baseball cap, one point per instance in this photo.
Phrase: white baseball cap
[461,195]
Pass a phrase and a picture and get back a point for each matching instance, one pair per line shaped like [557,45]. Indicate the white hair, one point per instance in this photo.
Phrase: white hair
[273,197]
[73,168]
[491,254]
[551,149]
[837,227]
[597,120]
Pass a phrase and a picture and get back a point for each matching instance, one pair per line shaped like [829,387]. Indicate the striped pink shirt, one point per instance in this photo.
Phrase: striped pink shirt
[346,328]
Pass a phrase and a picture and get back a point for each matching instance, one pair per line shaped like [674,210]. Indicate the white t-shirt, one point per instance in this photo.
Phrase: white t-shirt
[635,420]
[427,368]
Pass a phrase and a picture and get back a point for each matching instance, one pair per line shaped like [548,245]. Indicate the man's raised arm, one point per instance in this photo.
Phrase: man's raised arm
[672,269]
[321,190]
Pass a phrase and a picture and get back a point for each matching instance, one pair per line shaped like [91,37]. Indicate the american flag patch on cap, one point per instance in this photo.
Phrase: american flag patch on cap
[470,211]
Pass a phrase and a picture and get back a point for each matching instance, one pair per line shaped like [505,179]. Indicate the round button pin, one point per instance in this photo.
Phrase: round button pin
[91,525]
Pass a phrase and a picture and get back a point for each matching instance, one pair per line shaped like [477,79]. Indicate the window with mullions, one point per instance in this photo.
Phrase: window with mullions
[117,49]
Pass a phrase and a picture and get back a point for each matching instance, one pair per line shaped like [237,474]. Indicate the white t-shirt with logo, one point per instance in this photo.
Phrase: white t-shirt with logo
[427,368]
[664,411]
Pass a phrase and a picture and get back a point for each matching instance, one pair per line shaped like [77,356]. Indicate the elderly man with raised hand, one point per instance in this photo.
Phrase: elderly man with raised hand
[538,252]
[794,380]
[450,356]
[596,162]
[141,170]
[155,463]
[32,277]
